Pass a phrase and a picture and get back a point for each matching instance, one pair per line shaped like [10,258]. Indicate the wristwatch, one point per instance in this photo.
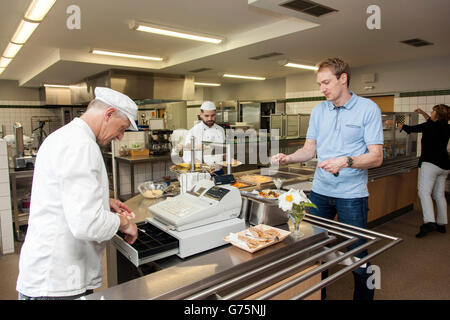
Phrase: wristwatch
[349,162]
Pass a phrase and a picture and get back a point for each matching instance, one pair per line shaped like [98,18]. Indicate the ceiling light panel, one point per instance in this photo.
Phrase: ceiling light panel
[38,9]
[227,75]
[4,62]
[125,55]
[207,84]
[11,50]
[56,86]
[300,66]
[166,31]
[24,31]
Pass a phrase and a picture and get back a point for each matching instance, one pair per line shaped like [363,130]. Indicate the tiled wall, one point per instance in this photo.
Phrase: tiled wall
[11,114]
[302,101]
[142,172]
[426,103]
[6,226]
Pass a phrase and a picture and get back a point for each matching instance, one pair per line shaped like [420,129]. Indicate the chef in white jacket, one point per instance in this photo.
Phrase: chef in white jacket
[206,131]
[71,214]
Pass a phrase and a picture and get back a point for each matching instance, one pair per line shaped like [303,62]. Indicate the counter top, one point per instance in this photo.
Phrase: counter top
[140,159]
[179,277]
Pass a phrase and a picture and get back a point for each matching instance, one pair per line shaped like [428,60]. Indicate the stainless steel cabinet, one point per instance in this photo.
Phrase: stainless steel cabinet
[396,143]
[290,125]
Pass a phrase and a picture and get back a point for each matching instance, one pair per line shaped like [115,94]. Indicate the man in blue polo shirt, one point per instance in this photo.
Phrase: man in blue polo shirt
[346,131]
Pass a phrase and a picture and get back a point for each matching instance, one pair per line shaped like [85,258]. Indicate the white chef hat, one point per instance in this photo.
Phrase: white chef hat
[119,101]
[208,106]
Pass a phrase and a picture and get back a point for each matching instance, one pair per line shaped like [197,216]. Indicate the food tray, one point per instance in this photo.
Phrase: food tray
[258,196]
[179,169]
[234,163]
[283,235]
[254,179]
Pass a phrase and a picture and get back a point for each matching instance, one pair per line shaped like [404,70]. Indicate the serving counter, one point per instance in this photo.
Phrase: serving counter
[290,269]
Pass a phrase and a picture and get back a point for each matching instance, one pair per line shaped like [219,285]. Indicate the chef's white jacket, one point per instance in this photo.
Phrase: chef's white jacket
[203,133]
[70,217]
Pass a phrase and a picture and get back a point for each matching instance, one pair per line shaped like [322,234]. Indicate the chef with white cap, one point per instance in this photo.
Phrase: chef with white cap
[206,131]
[71,214]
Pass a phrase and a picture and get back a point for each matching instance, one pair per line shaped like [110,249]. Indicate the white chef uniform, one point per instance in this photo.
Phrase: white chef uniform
[203,133]
[70,217]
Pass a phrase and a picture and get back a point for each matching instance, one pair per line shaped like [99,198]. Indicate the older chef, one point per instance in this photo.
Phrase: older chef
[71,214]
[206,131]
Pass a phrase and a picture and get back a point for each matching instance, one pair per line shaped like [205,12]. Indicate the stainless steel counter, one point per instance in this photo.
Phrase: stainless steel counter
[228,272]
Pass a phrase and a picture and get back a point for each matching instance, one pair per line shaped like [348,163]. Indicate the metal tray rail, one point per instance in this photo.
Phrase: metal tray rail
[320,253]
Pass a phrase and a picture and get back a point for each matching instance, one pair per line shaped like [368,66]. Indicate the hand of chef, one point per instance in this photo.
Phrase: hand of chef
[121,208]
[129,228]
[280,158]
[333,165]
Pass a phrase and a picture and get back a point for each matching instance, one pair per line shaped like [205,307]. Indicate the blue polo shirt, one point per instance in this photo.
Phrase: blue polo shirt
[344,131]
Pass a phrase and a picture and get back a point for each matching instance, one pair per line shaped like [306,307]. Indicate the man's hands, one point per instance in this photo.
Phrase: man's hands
[333,165]
[126,226]
[281,158]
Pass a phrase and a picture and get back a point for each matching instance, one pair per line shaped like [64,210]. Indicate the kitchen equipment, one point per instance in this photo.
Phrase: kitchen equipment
[250,113]
[151,244]
[259,211]
[21,162]
[159,141]
[199,218]
[204,204]
[290,125]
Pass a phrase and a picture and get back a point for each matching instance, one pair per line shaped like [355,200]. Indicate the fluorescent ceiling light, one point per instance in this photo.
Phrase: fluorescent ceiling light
[300,66]
[56,86]
[207,84]
[4,62]
[11,50]
[38,9]
[243,77]
[24,31]
[174,33]
[125,55]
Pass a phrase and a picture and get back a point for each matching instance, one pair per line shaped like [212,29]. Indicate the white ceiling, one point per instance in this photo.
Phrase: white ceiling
[55,54]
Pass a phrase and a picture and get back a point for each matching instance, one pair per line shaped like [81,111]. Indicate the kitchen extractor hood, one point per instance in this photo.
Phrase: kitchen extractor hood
[136,85]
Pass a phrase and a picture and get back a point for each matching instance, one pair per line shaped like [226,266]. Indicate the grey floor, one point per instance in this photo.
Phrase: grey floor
[414,269]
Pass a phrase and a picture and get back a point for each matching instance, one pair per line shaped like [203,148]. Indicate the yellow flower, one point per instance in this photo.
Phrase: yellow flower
[289,198]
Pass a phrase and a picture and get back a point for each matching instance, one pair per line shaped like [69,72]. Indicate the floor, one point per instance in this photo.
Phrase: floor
[414,269]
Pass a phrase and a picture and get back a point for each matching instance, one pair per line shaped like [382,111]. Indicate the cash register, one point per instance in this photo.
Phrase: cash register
[201,217]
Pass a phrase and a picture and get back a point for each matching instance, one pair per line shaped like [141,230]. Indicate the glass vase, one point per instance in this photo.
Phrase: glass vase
[297,217]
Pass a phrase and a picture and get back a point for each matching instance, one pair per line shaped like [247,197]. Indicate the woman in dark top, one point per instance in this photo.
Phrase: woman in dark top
[434,166]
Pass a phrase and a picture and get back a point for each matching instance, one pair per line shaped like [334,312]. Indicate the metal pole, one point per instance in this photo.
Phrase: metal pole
[247,275]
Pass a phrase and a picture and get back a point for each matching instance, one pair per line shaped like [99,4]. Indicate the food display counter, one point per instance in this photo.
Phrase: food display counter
[288,269]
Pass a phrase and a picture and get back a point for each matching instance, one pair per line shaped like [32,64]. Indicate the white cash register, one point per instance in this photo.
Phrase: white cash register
[201,217]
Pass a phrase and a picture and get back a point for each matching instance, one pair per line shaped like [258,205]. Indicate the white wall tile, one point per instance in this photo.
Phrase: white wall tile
[6,231]
[431,100]
[447,99]
[440,99]
[422,100]
[5,203]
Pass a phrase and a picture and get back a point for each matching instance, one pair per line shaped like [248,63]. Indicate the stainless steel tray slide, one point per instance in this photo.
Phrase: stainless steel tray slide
[239,286]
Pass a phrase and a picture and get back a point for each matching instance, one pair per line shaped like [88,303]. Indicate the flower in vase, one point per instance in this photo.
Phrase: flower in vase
[295,202]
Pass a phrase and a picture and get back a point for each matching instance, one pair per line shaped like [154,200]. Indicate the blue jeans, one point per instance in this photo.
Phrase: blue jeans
[353,212]
[349,211]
